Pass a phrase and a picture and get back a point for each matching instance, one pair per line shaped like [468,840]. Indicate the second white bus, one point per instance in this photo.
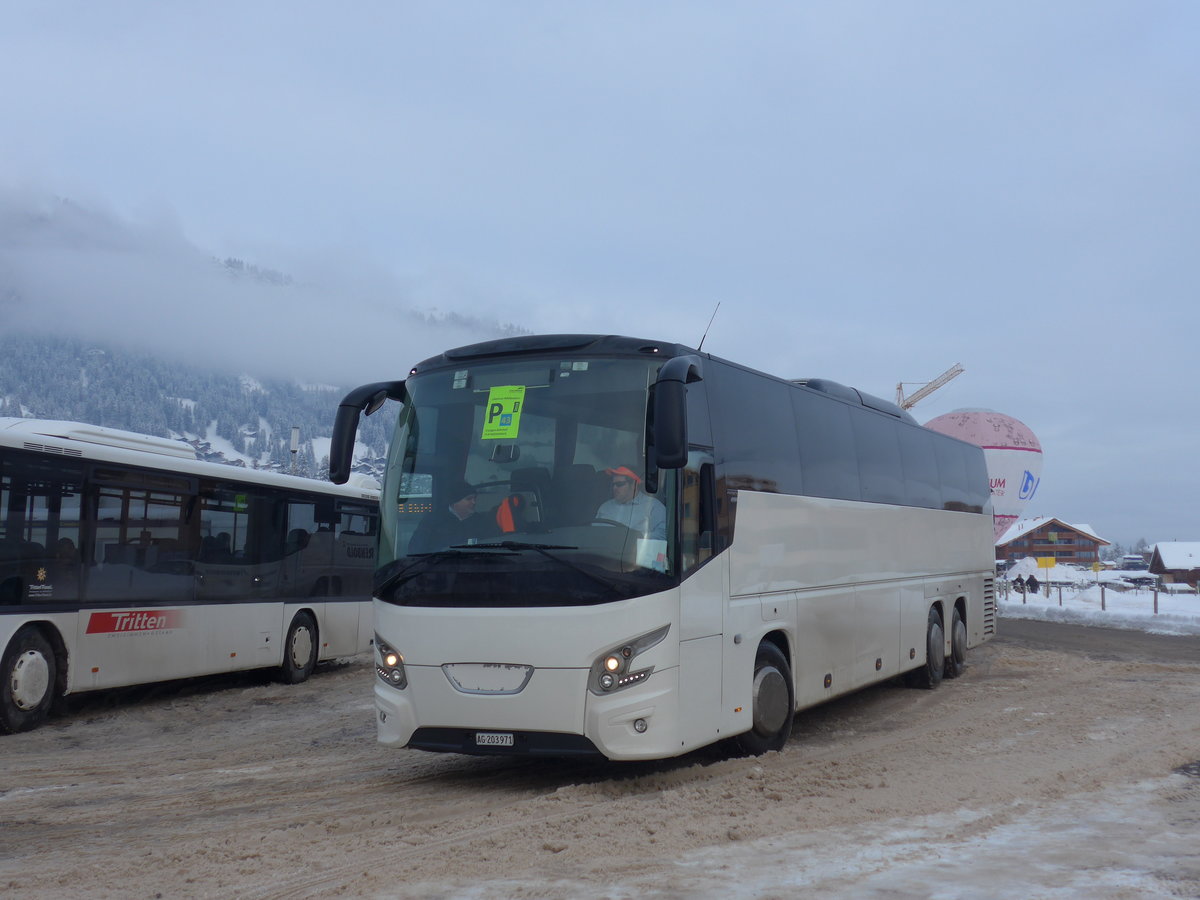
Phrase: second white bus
[125,560]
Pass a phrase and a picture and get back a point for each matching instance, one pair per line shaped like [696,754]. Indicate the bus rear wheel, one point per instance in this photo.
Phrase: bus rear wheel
[28,673]
[772,700]
[956,662]
[299,649]
[930,675]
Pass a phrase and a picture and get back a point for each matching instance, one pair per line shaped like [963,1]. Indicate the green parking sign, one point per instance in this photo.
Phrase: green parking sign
[502,416]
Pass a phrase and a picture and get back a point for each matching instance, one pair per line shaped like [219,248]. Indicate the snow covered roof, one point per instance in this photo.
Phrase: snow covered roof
[1179,554]
[1023,526]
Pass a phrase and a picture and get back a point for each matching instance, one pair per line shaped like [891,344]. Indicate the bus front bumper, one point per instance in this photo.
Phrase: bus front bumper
[555,715]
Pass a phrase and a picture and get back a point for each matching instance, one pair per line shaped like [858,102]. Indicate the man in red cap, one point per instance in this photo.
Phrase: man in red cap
[632,508]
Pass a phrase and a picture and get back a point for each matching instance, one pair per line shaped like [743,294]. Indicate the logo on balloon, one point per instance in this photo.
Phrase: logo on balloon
[1029,484]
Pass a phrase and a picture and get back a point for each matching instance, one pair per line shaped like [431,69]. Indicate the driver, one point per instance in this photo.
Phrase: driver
[451,521]
[631,507]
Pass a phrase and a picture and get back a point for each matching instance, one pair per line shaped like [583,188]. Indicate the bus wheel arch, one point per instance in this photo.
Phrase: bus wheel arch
[772,700]
[300,648]
[956,660]
[30,672]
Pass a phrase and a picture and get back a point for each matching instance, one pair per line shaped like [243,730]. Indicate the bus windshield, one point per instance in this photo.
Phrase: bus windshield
[523,483]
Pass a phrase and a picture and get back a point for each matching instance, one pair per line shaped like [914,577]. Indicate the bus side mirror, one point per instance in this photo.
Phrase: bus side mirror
[367,398]
[670,410]
[670,424]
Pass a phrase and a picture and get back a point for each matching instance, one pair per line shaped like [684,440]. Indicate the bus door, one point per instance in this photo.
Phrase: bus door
[356,532]
[39,531]
[138,623]
[240,574]
[702,595]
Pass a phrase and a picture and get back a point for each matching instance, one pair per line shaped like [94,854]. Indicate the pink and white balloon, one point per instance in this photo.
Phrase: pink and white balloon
[1012,452]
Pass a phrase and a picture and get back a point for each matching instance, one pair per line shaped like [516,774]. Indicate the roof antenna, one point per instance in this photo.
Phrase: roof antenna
[708,326]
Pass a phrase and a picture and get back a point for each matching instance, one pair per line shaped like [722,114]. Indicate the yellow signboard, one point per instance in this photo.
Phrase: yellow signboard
[502,417]
[1046,562]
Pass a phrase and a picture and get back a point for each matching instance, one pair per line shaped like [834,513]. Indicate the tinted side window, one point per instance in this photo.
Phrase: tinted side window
[40,516]
[878,457]
[920,467]
[699,431]
[827,453]
[979,492]
[757,434]
[952,466]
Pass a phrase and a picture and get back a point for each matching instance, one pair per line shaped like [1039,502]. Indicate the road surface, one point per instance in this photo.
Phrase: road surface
[1063,762]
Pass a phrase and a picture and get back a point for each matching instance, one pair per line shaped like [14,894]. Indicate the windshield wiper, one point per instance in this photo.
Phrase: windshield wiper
[522,545]
[545,549]
[395,572]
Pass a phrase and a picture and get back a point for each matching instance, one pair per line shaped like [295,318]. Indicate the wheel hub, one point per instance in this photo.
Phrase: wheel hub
[30,680]
[770,701]
[302,644]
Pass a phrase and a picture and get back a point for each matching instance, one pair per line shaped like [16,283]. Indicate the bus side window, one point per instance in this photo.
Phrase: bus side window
[697,519]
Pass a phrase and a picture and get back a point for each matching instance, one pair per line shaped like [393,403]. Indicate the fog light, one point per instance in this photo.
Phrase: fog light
[607,681]
[639,725]
[396,676]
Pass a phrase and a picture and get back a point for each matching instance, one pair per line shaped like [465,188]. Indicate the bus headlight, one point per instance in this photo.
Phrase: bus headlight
[389,665]
[615,670]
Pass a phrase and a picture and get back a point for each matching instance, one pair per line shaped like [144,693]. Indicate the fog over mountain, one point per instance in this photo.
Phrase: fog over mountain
[73,269]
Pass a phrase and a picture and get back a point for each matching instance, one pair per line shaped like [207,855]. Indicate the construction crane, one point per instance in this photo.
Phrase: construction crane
[921,393]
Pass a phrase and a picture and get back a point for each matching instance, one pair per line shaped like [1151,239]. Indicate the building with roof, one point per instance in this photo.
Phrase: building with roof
[1178,562]
[1046,536]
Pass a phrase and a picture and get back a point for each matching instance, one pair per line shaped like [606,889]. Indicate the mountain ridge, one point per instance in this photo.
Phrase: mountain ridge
[240,419]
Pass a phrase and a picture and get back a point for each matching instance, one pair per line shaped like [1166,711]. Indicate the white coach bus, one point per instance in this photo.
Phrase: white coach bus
[125,560]
[666,549]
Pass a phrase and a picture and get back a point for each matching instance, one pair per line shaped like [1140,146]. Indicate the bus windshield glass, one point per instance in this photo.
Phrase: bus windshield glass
[523,483]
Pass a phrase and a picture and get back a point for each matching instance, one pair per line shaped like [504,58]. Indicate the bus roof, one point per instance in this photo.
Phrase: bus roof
[80,440]
[620,345]
[81,433]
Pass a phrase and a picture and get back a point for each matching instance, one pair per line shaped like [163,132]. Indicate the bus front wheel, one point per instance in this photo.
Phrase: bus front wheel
[299,649]
[772,702]
[28,673]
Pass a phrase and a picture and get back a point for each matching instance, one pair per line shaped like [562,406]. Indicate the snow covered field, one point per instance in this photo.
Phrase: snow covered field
[1177,613]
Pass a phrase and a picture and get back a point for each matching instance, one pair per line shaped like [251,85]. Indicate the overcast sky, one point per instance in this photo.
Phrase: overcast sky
[872,192]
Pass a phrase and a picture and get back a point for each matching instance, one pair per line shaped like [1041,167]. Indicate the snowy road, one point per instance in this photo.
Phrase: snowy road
[1056,767]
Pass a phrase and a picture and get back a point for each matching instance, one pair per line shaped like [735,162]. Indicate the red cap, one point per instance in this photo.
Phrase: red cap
[623,470]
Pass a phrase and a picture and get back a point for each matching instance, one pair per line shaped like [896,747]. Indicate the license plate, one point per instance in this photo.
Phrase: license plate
[493,739]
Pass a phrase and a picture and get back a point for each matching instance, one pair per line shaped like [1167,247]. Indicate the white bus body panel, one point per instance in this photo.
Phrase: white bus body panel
[561,644]
[122,646]
[848,584]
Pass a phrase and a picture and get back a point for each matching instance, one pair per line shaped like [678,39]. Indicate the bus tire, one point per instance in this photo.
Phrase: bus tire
[929,675]
[28,674]
[956,662]
[299,649]
[773,703]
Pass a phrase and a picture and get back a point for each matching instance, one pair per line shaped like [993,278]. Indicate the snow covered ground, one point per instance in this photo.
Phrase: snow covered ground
[1042,773]
[1114,843]
[1176,613]
[1133,840]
